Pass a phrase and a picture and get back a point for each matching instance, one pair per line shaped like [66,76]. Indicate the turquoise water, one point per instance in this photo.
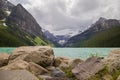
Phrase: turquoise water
[72,53]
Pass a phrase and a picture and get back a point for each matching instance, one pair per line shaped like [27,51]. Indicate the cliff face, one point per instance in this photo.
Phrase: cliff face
[3,8]
[23,20]
[3,4]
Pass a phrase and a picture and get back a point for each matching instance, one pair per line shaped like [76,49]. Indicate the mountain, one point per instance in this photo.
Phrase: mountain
[103,27]
[51,37]
[19,28]
[58,40]
[62,39]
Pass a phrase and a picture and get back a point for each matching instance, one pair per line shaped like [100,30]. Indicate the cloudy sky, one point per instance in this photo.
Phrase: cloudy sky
[66,16]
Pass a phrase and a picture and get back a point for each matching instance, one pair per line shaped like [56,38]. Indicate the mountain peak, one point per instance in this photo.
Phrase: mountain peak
[19,5]
[101,19]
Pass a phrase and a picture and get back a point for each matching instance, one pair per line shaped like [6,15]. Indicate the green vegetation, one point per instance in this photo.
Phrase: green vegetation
[7,39]
[106,38]
[68,73]
[115,74]
[94,55]
[36,41]
[12,37]
[39,41]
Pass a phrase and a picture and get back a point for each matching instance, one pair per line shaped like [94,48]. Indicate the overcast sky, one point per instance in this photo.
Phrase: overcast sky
[65,16]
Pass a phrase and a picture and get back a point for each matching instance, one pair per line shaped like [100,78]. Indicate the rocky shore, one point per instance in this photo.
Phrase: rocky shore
[39,63]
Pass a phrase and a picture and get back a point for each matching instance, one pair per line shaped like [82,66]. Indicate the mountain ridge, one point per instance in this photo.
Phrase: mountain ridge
[100,25]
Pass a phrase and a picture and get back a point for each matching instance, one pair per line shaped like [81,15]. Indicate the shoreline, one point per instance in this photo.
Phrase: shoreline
[41,64]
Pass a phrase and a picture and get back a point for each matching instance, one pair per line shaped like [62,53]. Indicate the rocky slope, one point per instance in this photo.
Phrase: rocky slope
[19,26]
[100,27]
[39,63]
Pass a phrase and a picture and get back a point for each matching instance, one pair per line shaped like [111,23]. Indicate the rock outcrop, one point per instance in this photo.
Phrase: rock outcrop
[17,75]
[88,68]
[41,55]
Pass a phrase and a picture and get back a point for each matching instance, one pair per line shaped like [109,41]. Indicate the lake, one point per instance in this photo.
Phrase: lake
[73,53]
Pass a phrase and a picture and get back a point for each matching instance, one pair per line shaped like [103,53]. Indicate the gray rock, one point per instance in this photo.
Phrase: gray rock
[88,68]
[57,72]
[42,55]
[16,75]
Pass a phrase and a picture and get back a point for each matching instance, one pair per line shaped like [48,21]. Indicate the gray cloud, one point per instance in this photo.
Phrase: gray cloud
[65,16]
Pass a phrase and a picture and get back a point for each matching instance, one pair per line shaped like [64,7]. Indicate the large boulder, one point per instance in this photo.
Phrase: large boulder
[42,55]
[16,75]
[3,59]
[23,65]
[113,60]
[89,68]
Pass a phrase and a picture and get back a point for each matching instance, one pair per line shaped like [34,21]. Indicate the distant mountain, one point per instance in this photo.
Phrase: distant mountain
[58,40]
[62,39]
[51,38]
[18,27]
[102,26]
